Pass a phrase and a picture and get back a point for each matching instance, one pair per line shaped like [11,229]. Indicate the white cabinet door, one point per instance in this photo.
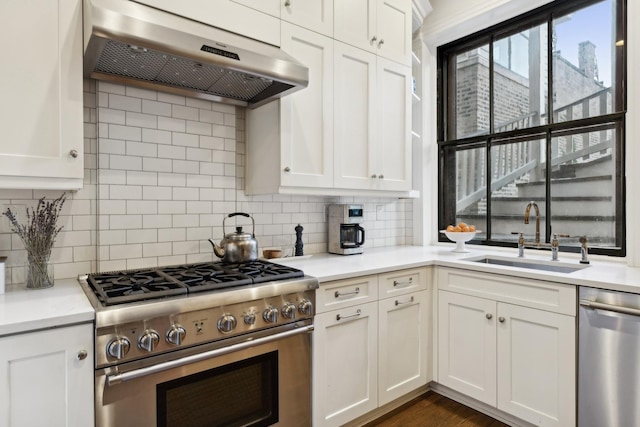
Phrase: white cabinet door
[272,7]
[536,365]
[467,345]
[307,115]
[355,23]
[229,15]
[345,364]
[403,331]
[382,27]
[290,140]
[315,15]
[355,117]
[393,140]
[394,30]
[41,105]
[43,382]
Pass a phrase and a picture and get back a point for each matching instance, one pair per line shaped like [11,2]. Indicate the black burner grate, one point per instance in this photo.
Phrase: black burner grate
[139,285]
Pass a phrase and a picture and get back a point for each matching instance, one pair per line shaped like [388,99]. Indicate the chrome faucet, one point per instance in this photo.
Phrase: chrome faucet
[526,219]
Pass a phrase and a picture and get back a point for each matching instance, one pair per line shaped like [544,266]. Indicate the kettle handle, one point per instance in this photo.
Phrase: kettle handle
[231,215]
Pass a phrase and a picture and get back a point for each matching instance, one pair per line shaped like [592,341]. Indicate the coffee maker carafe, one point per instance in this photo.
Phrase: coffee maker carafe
[346,236]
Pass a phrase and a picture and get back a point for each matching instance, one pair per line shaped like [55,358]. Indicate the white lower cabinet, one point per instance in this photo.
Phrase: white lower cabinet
[495,349]
[403,331]
[367,353]
[47,378]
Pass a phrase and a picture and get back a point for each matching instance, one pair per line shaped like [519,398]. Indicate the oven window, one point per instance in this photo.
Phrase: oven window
[243,393]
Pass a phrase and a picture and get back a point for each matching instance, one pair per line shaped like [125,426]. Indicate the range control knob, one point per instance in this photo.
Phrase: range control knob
[305,307]
[148,340]
[289,311]
[226,323]
[270,315]
[249,318]
[118,347]
[175,334]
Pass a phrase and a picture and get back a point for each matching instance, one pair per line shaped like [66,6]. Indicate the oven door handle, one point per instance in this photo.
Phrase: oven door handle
[138,373]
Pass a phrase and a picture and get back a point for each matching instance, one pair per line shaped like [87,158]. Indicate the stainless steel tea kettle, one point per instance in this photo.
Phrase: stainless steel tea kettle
[238,246]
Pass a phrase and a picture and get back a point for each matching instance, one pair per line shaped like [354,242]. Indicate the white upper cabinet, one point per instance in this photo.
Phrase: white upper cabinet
[257,19]
[271,7]
[41,108]
[315,15]
[372,121]
[382,27]
[290,140]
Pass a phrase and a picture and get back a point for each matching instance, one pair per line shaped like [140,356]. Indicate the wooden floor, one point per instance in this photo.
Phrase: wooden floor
[434,410]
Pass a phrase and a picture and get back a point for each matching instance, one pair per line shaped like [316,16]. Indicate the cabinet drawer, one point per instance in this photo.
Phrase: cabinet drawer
[346,293]
[555,297]
[403,282]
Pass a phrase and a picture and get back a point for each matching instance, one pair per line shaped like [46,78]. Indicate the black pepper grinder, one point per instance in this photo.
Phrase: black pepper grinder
[299,244]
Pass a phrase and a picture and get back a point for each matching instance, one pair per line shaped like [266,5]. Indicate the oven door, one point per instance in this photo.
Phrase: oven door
[261,381]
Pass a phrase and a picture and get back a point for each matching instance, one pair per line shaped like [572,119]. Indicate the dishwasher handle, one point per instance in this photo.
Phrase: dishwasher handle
[609,307]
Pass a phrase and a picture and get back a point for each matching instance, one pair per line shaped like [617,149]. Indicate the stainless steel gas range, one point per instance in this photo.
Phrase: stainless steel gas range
[208,344]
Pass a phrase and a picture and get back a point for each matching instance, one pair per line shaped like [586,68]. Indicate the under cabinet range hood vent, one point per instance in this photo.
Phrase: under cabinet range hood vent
[131,43]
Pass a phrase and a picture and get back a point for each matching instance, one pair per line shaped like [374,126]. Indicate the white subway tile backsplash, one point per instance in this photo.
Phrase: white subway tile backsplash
[171,124]
[156,136]
[160,179]
[142,120]
[152,164]
[183,112]
[185,139]
[142,149]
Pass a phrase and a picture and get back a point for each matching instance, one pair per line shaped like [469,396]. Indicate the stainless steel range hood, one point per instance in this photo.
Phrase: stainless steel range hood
[131,43]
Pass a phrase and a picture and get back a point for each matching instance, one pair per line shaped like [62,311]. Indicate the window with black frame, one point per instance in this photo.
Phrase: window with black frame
[533,111]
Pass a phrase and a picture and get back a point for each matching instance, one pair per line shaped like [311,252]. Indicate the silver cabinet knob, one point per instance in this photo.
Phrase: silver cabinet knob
[82,354]
[489,316]
[175,334]
[226,323]
[289,311]
[380,43]
[148,340]
[118,347]
[287,3]
[287,169]
[305,307]
[381,176]
[270,315]
[374,39]
[374,176]
[73,153]
[501,319]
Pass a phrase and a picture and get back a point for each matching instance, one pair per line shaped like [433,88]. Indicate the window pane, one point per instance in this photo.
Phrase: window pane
[472,93]
[520,76]
[584,63]
[583,201]
[517,178]
[471,206]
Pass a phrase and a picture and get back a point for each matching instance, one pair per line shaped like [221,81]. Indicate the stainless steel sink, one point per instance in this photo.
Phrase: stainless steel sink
[531,264]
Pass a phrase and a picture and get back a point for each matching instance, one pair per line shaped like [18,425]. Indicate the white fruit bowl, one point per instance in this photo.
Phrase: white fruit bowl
[460,238]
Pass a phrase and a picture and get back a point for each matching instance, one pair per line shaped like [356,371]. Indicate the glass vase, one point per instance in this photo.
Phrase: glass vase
[39,273]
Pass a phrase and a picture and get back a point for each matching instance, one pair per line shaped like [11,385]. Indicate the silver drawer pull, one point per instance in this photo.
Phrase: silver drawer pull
[406,302]
[406,282]
[358,313]
[338,294]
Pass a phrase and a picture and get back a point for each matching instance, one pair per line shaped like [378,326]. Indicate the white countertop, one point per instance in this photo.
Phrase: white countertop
[23,310]
[602,272]
[65,303]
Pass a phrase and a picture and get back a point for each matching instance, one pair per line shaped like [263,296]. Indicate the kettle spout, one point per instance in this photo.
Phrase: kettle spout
[218,250]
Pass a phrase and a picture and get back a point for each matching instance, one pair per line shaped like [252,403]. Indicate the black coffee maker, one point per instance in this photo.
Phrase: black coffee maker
[346,236]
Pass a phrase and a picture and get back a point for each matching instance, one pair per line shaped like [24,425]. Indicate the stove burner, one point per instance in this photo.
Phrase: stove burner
[138,285]
[119,287]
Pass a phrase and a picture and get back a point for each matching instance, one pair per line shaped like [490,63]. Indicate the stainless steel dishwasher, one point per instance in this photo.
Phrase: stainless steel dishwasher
[608,359]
